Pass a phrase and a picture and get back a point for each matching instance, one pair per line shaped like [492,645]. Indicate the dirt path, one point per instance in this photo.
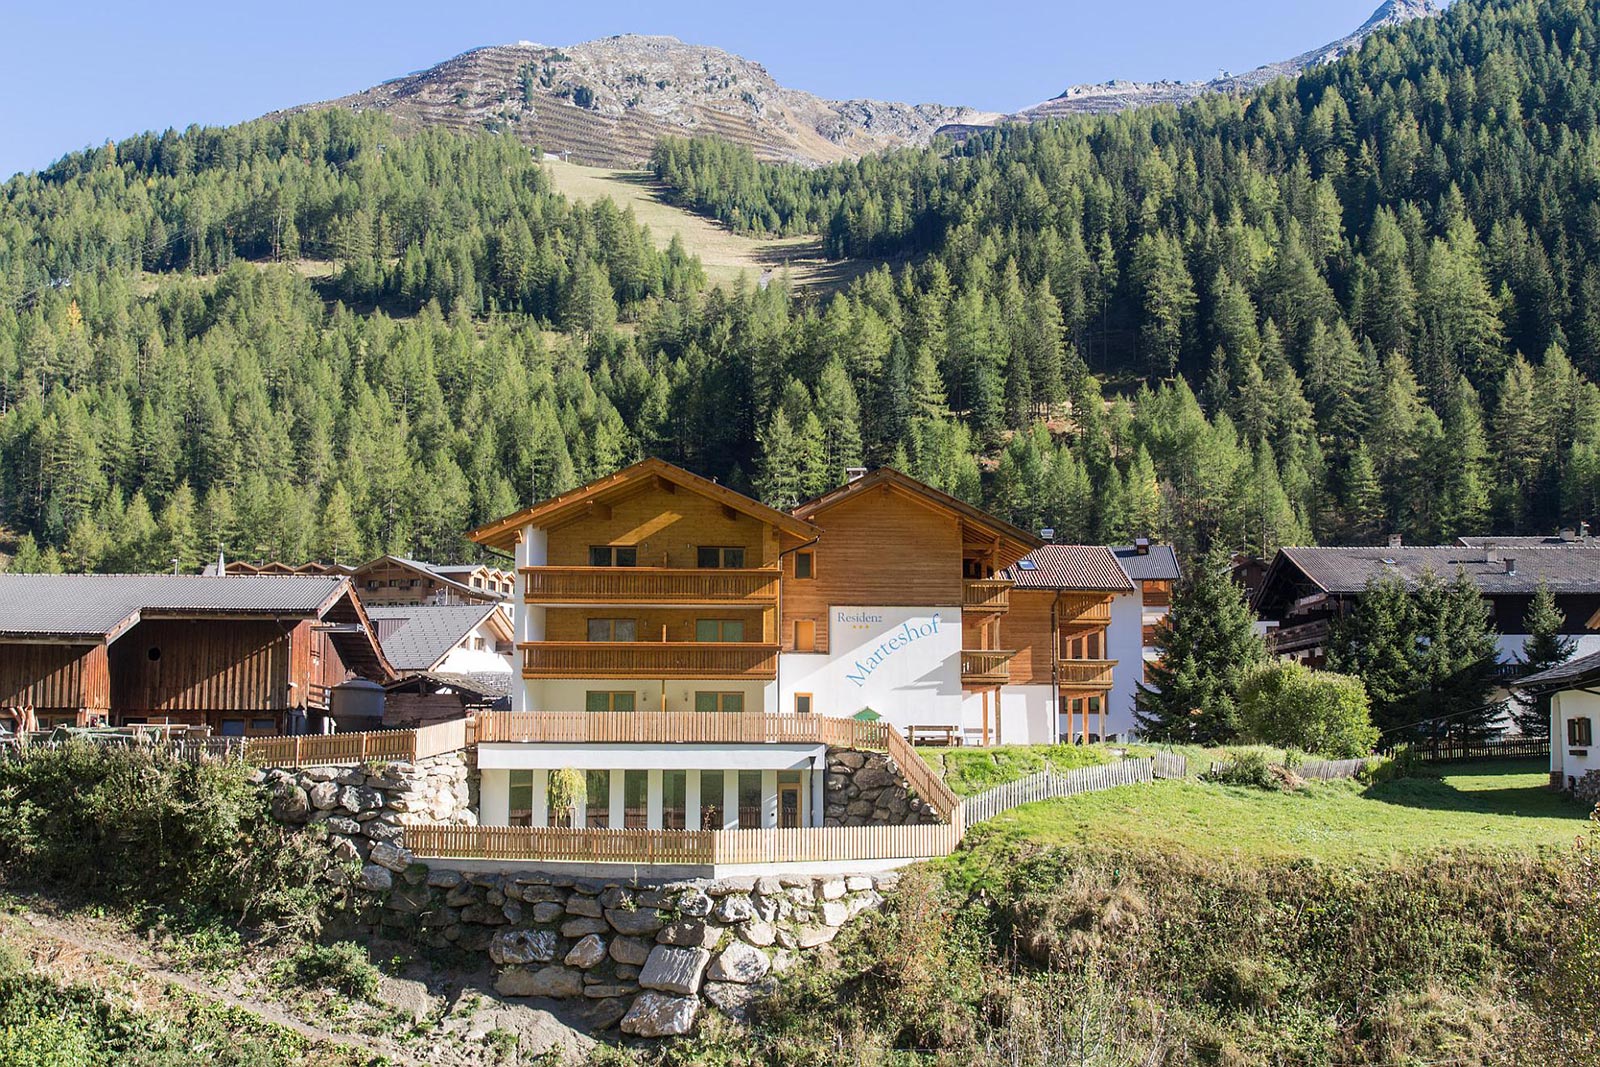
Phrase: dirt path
[69,933]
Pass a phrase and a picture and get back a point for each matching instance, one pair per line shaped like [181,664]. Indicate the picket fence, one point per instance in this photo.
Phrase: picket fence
[1313,770]
[1049,785]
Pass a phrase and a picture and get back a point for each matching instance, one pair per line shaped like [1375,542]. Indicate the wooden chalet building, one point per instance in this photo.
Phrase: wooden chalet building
[1307,589]
[450,660]
[396,580]
[236,654]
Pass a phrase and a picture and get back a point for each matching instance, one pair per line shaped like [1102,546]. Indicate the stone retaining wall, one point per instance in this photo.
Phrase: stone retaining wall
[867,789]
[1587,788]
[365,805]
[647,958]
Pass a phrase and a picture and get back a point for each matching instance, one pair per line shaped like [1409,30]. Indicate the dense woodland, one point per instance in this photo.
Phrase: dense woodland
[1363,302]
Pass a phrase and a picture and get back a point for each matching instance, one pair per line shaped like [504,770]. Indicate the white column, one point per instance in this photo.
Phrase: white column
[730,800]
[691,799]
[819,789]
[494,797]
[617,817]
[652,818]
[769,799]
[541,797]
[527,620]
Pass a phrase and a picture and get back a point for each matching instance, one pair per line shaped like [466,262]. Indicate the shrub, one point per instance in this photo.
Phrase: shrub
[342,966]
[1328,714]
[1247,768]
[134,826]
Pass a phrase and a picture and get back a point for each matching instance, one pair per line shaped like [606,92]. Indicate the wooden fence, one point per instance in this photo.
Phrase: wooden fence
[1331,770]
[1454,751]
[921,777]
[1171,765]
[332,749]
[678,727]
[1048,785]
[689,847]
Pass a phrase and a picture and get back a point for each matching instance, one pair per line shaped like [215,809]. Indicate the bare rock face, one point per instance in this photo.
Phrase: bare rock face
[734,999]
[661,1015]
[674,969]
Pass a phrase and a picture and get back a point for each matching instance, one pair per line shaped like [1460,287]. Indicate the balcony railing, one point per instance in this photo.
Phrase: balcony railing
[648,585]
[678,727]
[985,666]
[986,595]
[649,659]
[1086,673]
[1301,637]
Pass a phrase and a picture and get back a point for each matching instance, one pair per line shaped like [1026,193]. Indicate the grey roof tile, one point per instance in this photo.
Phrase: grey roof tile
[415,638]
[94,605]
[1070,567]
[1572,569]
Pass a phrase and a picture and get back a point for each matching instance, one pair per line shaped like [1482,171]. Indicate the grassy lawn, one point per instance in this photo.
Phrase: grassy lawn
[972,770]
[1489,805]
[724,254]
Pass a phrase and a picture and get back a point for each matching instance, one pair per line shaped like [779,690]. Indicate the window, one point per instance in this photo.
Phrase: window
[805,635]
[596,701]
[635,799]
[232,727]
[613,556]
[725,558]
[521,799]
[674,799]
[805,565]
[749,800]
[722,630]
[802,703]
[612,630]
[1580,732]
[597,798]
[728,703]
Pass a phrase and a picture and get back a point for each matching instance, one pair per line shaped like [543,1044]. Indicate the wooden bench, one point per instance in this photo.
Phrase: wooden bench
[941,736]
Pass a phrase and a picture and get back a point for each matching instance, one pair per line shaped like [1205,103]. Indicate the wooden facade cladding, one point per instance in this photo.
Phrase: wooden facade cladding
[1081,620]
[666,527]
[649,585]
[878,547]
[183,665]
[650,660]
[58,678]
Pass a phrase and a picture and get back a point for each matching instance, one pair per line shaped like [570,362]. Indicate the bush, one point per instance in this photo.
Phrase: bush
[341,966]
[133,826]
[1249,768]
[1320,712]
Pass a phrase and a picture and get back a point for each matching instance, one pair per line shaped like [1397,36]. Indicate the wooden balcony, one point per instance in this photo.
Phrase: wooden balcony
[1307,635]
[986,596]
[649,585]
[981,667]
[677,727]
[649,659]
[1086,673]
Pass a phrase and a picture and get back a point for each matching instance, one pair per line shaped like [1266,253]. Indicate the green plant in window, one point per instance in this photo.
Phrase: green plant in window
[567,789]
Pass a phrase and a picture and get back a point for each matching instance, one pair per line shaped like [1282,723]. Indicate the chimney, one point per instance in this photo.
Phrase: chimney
[1511,566]
[1141,546]
[1491,553]
[1395,541]
[854,474]
[1568,533]
[1047,534]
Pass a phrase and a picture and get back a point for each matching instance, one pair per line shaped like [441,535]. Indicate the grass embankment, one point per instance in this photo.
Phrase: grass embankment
[970,771]
[1483,806]
[724,254]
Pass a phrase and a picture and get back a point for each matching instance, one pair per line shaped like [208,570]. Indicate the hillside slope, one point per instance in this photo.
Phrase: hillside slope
[607,102]
[1120,95]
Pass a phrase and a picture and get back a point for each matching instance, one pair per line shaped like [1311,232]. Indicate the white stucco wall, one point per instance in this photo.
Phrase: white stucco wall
[1125,644]
[1571,762]
[902,662]
[1024,719]
[477,661]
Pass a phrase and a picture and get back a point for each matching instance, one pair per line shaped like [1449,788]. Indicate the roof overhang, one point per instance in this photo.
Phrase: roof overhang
[501,535]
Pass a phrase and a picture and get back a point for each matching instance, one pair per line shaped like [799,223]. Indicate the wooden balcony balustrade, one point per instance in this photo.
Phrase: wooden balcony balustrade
[649,585]
[985,666]
[650,659]
[1086,673]
[677,727]
[986,595]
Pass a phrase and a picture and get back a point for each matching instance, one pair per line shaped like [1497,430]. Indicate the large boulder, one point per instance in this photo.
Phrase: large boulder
[523,946]
[560,983]
[393,857]
[587,952]
[674,969]
[739,963]
[660,1015]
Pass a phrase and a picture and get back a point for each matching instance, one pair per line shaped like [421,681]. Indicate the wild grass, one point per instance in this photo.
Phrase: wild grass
[970,771]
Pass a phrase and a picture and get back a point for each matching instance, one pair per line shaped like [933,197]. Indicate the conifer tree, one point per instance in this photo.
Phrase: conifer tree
[1207,645]
[1547,646]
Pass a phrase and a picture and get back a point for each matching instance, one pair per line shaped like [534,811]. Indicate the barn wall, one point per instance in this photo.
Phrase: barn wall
[212,665]
[59,678]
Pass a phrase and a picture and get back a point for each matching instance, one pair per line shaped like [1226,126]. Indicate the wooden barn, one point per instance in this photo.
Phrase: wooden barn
[237,654]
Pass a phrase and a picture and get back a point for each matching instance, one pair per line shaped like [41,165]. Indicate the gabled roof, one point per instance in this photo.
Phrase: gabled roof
[1089,567]
[1158,564]
[422,636]
[1569,570]
[977,525]
[501,534]
[99,608]
[1579,673]
[1524,541]
[428,570]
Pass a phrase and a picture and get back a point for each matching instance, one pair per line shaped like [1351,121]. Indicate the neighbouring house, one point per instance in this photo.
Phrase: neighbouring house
[1306,590]
[1062,606]
[1574,692]
[395,580]
[451,659]
[691,652]
[241,655]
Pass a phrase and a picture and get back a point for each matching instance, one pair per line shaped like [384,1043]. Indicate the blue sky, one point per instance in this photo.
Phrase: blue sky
[84,72]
